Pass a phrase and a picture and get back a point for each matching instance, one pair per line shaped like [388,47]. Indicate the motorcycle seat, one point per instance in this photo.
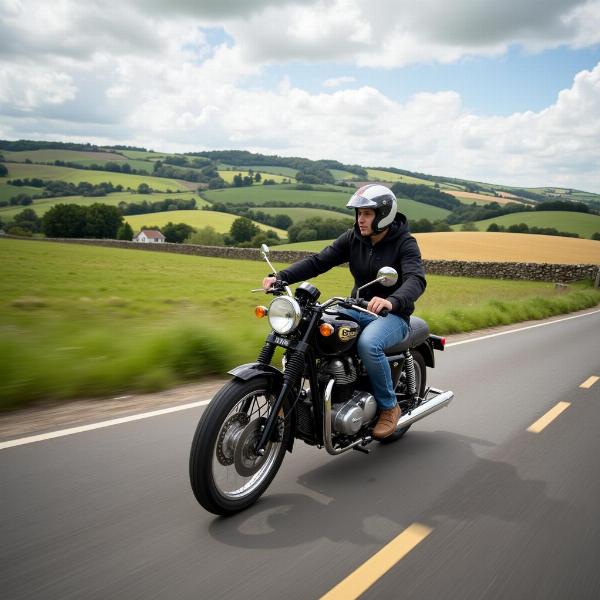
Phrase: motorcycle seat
[418,332]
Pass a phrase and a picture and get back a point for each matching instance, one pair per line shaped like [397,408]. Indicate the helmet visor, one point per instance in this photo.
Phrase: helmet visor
[360,202]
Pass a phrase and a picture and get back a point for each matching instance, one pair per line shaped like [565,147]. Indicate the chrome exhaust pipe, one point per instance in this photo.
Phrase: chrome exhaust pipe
[327,425]
[428,407]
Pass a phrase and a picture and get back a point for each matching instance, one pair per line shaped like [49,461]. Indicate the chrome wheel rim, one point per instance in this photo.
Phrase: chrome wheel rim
[237,471]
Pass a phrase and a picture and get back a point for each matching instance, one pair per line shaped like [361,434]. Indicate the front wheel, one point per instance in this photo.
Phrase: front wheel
[226,474]
[420,381]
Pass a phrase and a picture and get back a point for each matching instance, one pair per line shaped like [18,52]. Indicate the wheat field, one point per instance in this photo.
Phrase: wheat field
[508,247]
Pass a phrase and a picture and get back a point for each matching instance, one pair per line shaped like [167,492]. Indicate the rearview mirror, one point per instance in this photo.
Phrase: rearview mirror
[387,276]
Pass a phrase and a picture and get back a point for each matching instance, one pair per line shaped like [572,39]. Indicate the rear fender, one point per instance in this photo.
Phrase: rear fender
[427,353]
[275,376]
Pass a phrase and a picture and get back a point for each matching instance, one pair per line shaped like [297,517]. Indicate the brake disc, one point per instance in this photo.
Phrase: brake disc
[228,437]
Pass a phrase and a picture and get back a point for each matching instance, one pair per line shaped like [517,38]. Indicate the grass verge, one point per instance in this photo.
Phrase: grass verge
[79,321]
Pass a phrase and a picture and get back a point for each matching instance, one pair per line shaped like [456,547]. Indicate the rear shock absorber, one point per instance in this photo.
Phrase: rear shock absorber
[411,383]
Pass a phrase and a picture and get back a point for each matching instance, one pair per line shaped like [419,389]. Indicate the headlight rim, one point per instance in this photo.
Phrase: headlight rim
[294,318]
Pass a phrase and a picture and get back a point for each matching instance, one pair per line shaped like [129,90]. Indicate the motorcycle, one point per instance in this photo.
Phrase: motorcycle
[322,394]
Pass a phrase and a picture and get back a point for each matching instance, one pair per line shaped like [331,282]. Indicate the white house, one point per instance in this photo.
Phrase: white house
[150,236]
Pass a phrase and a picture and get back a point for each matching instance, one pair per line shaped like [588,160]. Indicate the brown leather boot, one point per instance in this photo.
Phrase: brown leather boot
[386,424]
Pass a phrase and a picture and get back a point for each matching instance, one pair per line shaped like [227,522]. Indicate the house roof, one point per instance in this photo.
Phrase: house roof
[152,233]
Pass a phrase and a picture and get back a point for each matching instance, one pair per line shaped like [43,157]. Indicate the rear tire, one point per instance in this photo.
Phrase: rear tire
[421,383]
[225,474]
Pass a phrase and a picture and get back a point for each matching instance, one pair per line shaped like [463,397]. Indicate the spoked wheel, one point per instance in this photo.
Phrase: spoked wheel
[225,472]
[420,380]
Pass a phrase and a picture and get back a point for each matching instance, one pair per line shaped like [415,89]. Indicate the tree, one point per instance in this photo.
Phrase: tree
[3,170]
[237,180]
[176,233]
[206,236]
[103,221]
[469,226]
[257,177]
[596,236]
[144,188]
[65,220]
[493,227]
[282,221]
[125,232]
[243,230]
[28,219]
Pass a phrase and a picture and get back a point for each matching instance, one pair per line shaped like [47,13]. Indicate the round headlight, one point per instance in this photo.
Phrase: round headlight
[284,314]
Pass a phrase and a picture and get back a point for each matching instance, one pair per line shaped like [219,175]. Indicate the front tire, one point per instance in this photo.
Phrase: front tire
[226,474]
[421,383]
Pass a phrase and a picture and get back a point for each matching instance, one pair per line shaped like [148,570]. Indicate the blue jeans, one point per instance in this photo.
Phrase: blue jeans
[378,333]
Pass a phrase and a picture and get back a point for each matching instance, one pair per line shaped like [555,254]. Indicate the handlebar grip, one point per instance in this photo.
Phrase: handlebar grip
[365,304]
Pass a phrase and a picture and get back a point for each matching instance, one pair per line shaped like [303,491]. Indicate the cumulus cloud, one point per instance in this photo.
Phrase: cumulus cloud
[147,74]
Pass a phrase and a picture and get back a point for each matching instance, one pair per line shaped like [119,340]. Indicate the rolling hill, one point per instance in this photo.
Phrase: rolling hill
[42,205]
[221,222]
[48,172]
[582,223]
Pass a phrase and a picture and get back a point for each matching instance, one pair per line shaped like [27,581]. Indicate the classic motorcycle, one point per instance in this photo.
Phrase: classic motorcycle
[322,394]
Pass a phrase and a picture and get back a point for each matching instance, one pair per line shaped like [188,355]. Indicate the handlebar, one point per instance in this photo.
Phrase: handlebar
[362,304]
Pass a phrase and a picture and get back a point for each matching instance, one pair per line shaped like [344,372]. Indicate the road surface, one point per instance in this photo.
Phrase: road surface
[480,500]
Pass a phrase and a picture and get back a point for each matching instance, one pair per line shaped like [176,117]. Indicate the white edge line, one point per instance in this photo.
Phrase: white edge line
[493,335]
[156,413]
[62,432]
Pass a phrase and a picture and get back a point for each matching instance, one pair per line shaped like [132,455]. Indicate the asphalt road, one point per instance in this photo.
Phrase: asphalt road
[509,513]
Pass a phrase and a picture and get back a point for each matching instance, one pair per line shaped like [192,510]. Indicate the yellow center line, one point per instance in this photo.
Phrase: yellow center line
[544,421]
[588,383]
[367,574]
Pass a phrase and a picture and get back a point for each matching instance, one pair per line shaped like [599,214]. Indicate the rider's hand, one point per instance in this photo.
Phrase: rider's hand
[377,304]
[268,282]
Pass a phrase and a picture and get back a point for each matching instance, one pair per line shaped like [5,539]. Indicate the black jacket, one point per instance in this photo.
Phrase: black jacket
[397,249]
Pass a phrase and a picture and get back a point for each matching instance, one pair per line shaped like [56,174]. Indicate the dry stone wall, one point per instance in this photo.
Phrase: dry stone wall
[558,273]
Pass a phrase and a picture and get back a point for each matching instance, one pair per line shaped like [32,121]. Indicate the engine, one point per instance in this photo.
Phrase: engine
[350,409]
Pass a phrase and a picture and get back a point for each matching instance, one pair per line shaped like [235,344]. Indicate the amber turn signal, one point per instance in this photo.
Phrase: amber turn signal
[325,329]
[260,312]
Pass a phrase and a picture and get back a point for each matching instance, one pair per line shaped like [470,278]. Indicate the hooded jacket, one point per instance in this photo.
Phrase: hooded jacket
[397,249]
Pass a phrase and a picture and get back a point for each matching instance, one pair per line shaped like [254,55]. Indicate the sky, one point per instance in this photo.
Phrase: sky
[502,92]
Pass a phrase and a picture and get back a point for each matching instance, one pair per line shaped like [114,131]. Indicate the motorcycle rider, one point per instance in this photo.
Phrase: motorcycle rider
[380,237]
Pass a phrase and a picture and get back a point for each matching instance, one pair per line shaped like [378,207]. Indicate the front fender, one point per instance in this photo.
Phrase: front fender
[256,369]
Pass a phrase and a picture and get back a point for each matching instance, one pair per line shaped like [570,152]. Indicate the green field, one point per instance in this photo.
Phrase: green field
[11,191]
[380,175]
[272,169]
[42,205]
[47,172]
[80,157]
[342,175]
[84,321]
[301,214]
[229,175]
[49,156]
[583,224]
[221,222]
[258,195]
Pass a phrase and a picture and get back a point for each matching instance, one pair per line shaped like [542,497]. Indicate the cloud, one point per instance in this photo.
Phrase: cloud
[338,81]
[146,74]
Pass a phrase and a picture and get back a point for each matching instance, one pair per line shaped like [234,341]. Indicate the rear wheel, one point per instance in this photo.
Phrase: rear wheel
[401,388]
[226,474]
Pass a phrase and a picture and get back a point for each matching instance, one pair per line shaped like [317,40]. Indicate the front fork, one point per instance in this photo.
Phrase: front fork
[294,370]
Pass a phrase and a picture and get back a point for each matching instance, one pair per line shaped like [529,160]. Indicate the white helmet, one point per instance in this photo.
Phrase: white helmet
[380,199]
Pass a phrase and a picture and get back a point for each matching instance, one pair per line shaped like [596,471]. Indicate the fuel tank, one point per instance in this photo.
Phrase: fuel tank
[344,336]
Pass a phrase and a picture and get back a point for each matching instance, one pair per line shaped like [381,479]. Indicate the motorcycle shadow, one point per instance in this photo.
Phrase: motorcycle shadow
[363,499]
